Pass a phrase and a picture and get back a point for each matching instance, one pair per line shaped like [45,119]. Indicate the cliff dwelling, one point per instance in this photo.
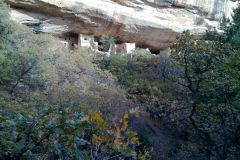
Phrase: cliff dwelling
[152,30]
[86,40]
[114,46]
[70,40]
[125,48]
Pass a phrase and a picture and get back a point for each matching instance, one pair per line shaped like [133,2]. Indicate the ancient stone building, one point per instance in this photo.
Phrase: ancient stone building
[86,40]
[125,48]
[130,47]
[69,40]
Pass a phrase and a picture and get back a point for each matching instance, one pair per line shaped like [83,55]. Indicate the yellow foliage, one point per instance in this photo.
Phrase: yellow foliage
[125,116]
[98,139]
[68,142]
[88,117]
[124,122]
[96,117]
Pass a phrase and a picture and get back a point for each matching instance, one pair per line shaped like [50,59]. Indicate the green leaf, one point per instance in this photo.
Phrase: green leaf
[57,150]
[79,153]
[59,131]
[22,123]
[21,144]
[11,122]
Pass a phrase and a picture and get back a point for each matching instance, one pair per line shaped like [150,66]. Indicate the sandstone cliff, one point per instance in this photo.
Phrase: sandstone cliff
[148,23]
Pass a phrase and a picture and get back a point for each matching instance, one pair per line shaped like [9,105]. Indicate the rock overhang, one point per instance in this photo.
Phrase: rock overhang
[147,23]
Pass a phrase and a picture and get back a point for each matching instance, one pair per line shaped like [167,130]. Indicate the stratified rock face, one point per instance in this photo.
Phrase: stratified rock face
[149,23]
[212,9]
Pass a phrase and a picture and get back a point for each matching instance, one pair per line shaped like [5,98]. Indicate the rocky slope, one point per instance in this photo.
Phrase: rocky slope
[148,23]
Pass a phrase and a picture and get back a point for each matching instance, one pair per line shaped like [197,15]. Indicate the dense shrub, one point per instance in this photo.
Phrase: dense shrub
[147,79]
[197,88]
[57,104]
[37,67]
[63,134]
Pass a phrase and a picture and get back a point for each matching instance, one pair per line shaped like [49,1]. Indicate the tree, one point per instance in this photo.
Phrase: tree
[21,52]
[105,43]
[232,29]
[5,50]
[210,72]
